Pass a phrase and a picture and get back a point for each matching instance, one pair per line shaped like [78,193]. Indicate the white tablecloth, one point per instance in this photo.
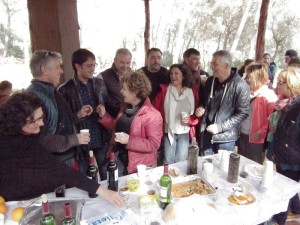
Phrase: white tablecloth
[267,202]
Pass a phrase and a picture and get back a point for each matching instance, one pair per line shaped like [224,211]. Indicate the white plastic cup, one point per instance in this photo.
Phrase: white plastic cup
[224,161]
[184,114]
[1,219]
[85,131]
[119,134]
[208,169]
[268,175]
[141,172]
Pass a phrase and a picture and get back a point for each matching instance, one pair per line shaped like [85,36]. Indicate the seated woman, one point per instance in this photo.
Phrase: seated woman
[27,170]
[140,123]
[173,102]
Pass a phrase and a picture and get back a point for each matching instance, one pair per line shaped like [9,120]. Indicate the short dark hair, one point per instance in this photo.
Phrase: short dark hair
[16,110]
[153,50]
[186,76]
[267,54]
[291,53]
[80,56]
[189,52]
[137,83]
[5,84]
[294,60]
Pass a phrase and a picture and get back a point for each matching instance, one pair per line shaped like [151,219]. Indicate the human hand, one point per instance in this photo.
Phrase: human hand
[199,111]
[100,109]
[256,135]
[185,120]
[110,196]
[194,141]
[122,138]
[85,110]
[83,138]
[213,129]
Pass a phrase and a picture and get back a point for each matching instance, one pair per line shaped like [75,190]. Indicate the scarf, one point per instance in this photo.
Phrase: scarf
[171,98]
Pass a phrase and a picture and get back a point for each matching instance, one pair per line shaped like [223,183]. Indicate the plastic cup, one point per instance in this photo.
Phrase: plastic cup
[1,219]
[141,172]
[184,114]
[224,161]
[208,169]
[85,131]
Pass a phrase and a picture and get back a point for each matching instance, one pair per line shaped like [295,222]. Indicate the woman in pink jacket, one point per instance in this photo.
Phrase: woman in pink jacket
[139,124]
[262,103]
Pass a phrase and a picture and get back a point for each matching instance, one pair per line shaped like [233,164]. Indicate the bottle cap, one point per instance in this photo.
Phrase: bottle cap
[44,198]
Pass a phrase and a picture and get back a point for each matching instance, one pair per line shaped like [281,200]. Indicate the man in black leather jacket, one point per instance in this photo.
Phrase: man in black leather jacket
[226,105]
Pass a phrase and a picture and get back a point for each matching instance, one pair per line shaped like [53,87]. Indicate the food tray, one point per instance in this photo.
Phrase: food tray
[190,185]
[33,213]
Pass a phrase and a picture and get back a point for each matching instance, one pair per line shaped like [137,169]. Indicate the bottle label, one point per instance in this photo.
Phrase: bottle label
[163,192]
[116,174]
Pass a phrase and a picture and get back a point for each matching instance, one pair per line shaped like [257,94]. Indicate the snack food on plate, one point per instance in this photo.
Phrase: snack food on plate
[195,186]
[241,198]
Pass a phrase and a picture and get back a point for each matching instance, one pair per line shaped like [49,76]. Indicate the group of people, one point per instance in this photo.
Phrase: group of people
[156,112]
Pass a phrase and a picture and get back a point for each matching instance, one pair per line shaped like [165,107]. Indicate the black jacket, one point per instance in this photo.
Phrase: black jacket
[113,86]
[287,135]
[28,170]
[70,90]
[233,110]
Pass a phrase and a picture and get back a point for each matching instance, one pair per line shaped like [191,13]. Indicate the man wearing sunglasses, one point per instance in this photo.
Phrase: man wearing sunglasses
[59,133]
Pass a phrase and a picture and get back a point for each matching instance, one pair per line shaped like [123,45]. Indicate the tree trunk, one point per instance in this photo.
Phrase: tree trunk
[260,41]
[241,27]
[147,28]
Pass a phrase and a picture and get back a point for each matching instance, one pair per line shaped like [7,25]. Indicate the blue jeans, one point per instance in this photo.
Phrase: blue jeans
[178,151]
[207,137]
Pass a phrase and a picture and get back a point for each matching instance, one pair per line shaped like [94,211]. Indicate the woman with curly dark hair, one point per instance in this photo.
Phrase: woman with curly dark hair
[28,170]
[140,124]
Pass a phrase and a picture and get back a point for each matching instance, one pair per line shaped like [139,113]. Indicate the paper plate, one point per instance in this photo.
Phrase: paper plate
[254,170]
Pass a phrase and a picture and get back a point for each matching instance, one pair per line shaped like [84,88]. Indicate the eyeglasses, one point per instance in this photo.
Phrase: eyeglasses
[36,120]
[89,66]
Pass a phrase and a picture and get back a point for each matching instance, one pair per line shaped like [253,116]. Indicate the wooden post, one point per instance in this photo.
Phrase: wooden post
[260,41]
[147,28]
[54,27]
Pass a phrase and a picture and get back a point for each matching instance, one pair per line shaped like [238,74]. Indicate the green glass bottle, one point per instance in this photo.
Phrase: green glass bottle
[165,188]
[68,220]
[47,218]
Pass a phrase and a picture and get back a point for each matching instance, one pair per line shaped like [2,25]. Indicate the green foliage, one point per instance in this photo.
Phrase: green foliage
[167,59]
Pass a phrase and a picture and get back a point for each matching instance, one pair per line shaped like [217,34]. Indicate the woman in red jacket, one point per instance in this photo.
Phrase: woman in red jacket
[139,122]
[262,103]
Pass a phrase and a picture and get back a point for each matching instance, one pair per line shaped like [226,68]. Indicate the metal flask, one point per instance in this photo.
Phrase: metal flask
[192,162]
[233,171]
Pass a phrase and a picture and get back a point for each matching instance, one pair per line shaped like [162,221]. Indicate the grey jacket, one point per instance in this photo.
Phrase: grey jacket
[233,110]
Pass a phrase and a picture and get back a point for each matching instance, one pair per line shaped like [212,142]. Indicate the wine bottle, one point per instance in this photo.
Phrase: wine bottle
[68,220]
[165,183]
[92,172]
[112,173]
[47,218]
